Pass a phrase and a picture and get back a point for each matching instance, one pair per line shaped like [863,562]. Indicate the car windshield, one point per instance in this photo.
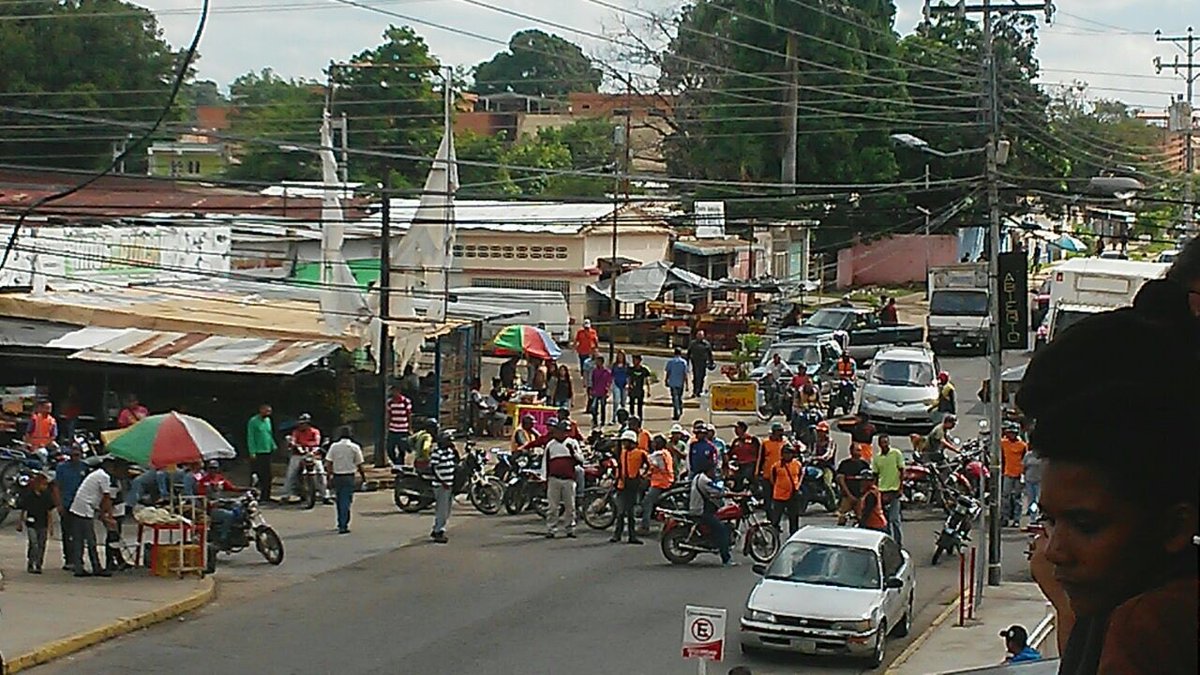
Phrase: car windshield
[902,373]
[828,319]
[793,355]
[826,565]
[959,303]
[1065,318]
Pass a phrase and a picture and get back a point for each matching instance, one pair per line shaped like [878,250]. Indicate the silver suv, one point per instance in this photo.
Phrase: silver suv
[901,389]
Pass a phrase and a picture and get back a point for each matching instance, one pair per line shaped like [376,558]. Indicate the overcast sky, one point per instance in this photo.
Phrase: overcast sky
[1108,43]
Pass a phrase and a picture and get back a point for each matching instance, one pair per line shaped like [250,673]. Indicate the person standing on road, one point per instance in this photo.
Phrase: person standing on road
[675,375]
[260,443]
[563,455]
[601,383]
[662,476]
[620,382]
[444,462]
[785,491]
[870,505]
[700,354]
[848,472]
[631,468]
[947,401]
[889,466]
[639,379]
[704,498]
[744,454]
[68,476]
[1012,467]
[399,416]
[35,503]
[586,341]
[888,315]
[1032,467]
[94,499]
[771,455]
[345,458]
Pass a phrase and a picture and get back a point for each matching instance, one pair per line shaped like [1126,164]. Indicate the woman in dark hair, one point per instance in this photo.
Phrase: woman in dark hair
[1118,559]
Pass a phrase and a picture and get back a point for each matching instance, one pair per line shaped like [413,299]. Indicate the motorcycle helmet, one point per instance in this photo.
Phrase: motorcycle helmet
[777,426]
[812,472]
[213,465]
[564,412]
[304,418]
[943,377]
[527,418]
[629,435]
[445,439]
[822,426]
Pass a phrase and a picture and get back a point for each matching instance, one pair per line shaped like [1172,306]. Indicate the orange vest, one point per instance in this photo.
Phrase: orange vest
[632,462]
[845,368]
[786,480]
[772,452]
[874,518]
[43,430]
[663,478]
[644,440]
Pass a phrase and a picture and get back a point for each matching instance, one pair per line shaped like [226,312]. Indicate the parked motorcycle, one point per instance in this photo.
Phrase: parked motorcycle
[684,536]
[841,395]
[248,527]
[957,528]
[814,489]
[413,490]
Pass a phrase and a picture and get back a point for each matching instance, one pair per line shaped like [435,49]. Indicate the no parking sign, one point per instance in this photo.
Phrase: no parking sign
[704,633]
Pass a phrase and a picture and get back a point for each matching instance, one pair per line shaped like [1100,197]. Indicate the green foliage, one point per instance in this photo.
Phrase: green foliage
[101,57]
[537,64]
[581,145]
[747,354]
[286,111]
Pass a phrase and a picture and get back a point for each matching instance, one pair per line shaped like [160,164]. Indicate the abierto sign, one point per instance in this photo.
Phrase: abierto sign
[1014,300]
[704,633]
[733,396]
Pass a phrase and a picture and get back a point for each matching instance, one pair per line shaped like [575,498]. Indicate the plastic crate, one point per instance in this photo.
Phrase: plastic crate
[167,559]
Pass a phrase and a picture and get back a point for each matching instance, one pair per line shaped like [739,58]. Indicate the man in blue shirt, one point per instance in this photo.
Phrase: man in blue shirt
[676,377]
[702,452]
[1016,642]
[68,476]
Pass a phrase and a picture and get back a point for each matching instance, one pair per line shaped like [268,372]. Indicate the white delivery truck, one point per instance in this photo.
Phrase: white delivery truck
[548,307]
[958,307]
[1083,286]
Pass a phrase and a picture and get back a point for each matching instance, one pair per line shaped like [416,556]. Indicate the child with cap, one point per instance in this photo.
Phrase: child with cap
[1016,642]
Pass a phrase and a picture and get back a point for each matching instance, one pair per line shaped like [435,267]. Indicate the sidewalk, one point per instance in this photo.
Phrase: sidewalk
[49,616]
[945,646]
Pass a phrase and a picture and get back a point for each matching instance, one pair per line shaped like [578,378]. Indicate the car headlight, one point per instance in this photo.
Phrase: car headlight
[762,617]
[930,401]
[870,398]
[861,626]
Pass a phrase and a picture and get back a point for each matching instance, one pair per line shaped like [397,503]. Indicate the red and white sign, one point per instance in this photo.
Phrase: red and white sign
[704,633]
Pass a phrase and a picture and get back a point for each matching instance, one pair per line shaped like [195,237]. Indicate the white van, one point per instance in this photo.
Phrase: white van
[548,307]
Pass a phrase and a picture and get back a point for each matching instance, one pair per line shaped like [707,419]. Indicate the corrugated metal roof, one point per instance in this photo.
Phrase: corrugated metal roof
[194,351]
[30,333]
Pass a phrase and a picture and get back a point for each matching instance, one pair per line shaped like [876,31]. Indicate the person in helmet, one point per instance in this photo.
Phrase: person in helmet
[304,439]
[213,484]
[947,403]
[632,467]
[524,433]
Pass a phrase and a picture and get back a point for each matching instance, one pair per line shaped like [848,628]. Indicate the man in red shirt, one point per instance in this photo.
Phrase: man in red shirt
[304,439]
[212,484]
[586,341]
[399,422]
[744,453]
[132,413]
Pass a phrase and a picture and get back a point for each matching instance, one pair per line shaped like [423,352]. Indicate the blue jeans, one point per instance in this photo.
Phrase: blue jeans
[892,513]
[397,446]
[222,520]
[1033,492]
[343,489]
[1011,489]
[620,398]
[720,533]
[441,511]
[676,402]
[599,408]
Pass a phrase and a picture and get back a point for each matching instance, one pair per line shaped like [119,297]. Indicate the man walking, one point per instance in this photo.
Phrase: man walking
[36,503]
[631,466]
[563,454]
[889,466]
[700,354]
[443,461]
[676,378]
[260,443]
[345,458]
[586,341]
[639,379]
[1012,459]
[600,385]
[399,419]
[68,476]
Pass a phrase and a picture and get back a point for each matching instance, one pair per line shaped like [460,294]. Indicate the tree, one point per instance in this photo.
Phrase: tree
[281,112]
[105,58]
[538,64]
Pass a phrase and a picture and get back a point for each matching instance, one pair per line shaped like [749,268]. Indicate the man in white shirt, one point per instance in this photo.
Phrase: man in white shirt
[94,499]
[345,457]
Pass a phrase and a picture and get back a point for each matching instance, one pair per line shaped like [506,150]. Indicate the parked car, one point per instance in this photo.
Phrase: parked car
[1167,256]
[817,355]
[831,590]
[860,329]
[901,389]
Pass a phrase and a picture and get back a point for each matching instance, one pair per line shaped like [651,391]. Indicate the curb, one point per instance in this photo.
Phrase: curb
[913,646]
[80,641]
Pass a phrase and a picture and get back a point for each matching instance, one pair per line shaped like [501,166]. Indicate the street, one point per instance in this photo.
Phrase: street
[499,599]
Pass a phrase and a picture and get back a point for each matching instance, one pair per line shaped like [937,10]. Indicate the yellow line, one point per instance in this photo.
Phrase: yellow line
[69,645]
[913,646]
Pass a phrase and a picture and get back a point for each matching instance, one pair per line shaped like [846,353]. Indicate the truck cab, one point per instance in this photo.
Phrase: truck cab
[958,307]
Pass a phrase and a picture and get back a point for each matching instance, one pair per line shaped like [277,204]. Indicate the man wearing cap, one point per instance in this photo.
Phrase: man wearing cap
[1016,643]
[1012,466]
[701,451]
[586,341]
[563,456]
[743,453]
[631,468]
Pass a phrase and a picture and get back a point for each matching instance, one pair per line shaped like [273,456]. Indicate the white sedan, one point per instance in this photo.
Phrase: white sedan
[831,590]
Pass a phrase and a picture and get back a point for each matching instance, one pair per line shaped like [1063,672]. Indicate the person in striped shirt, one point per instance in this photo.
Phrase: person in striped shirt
[399,420]
[443,461]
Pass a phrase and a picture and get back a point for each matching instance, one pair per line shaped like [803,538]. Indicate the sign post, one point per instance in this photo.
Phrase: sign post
[703,635]
[739,397]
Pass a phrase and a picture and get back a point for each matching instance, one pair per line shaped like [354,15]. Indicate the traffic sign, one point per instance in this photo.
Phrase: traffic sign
[704,633]
[734,396]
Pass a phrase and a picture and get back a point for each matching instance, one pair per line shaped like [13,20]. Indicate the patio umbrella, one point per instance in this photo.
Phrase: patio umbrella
[1070,244]
[171,438]
[521,340]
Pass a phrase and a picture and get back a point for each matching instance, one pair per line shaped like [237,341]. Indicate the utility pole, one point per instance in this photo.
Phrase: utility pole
[1188,72]
[995,352]
[385,313]
[790,115]
[448,232]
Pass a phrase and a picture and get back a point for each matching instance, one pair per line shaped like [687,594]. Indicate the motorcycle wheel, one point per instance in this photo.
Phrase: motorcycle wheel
[405,501]
[308,491]
[671,546]
[486,497]
[765,411]
[599,510]
[268,543]
[514,500]
[762,542]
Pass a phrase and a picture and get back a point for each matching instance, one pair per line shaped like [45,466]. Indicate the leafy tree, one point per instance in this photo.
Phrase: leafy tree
[280,112]
[538,64]
[105,58]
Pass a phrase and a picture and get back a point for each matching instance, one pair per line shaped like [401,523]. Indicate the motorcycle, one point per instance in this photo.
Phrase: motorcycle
[17,465]
[684,537]
[774,398]
[413,490]
[804,424]
[248,527]
[957,528]
[814,489]
[312,478]
[841,395]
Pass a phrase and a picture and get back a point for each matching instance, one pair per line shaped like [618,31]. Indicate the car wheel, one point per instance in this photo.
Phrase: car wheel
[903,628]
[877,656]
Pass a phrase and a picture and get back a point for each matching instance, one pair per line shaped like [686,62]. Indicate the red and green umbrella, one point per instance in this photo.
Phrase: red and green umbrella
[521,340]
[171,438]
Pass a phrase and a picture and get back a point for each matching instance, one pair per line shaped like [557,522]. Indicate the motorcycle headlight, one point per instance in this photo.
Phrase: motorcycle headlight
[860,626]
[760,616]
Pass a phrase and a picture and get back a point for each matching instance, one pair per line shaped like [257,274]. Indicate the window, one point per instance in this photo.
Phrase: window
[826,565]
[902,373]
[176,167]
[893,559]
[193,166]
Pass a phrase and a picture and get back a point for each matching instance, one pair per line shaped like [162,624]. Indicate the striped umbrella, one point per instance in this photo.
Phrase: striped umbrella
[521,340]
[171,438]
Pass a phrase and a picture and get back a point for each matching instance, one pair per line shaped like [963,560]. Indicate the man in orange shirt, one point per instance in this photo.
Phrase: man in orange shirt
[1012,460]
[772,454]
[631,469]
[662,477]
[42,428]
[785,490]
[586,341]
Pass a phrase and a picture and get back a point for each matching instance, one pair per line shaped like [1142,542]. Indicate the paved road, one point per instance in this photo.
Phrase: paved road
[498,599]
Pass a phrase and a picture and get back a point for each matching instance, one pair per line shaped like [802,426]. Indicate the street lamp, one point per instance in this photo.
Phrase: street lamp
[920,144]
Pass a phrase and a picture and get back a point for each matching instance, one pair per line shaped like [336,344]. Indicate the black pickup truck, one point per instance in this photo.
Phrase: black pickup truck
[863,330]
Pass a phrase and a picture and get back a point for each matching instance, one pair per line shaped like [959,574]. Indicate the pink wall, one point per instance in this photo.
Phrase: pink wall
[896,260]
